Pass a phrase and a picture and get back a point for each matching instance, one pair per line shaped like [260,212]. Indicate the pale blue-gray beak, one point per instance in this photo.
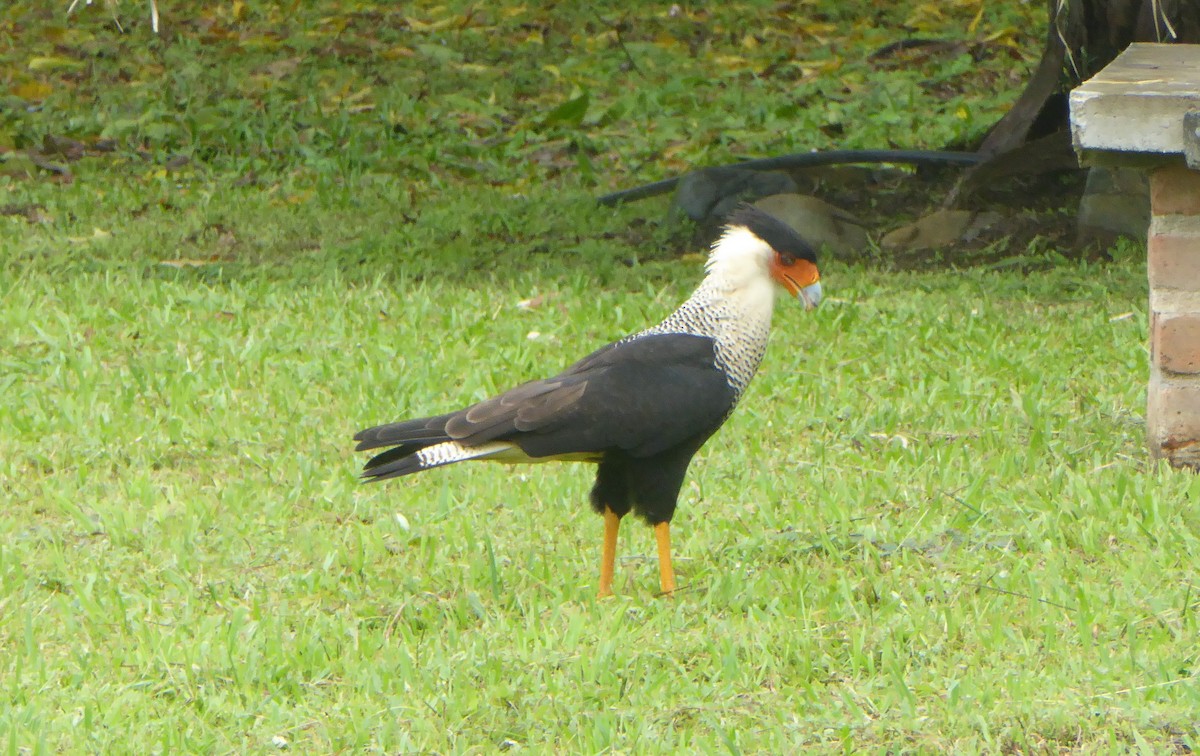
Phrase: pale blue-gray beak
[810,295]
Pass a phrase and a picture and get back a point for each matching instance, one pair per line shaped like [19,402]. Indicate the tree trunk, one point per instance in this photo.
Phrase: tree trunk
[1083,36]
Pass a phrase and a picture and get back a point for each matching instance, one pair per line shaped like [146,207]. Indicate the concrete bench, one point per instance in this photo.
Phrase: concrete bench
[1143,111]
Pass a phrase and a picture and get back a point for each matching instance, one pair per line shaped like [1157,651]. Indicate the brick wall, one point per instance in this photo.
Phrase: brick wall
[1173,399]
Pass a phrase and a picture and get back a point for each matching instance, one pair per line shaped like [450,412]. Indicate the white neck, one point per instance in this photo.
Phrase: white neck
[738,256]
[738,276]
[732,306]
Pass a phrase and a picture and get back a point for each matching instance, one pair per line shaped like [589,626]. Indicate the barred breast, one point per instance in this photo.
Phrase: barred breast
[740,333]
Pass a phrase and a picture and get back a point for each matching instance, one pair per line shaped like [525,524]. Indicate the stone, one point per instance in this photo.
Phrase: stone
[1136,104]
[940,229]
[1191,139]
[1116,202]
[708,195]
[819,223]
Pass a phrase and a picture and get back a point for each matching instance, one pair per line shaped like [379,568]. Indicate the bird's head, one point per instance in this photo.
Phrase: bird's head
[754,240]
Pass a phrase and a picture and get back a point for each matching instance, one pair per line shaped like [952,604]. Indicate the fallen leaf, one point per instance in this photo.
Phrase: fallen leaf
[33,91]
[54,63]
[439,53]
[417,25]
[902,439]
[281,68]
[395,53]
[97,234]
[975,21]
[570,112]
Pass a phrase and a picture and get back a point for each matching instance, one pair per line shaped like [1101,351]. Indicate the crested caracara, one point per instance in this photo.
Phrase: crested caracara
[638,408]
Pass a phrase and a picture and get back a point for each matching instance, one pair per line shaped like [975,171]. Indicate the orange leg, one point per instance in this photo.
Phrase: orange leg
[612,523]
[666,574]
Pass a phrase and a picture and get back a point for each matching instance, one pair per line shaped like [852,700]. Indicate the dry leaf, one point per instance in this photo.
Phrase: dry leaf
[97,234]
[54,63]
[33,91]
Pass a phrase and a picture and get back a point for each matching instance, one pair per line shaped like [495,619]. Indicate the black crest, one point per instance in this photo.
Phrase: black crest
[782,237]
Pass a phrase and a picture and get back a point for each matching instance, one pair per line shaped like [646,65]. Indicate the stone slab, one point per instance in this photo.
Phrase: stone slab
[1137,103]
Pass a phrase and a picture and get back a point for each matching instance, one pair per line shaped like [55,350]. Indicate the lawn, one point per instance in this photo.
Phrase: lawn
[931,526]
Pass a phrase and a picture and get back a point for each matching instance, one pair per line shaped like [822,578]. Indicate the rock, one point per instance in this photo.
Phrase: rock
[819,223]
[1116,202]
[943,228]
[709,195]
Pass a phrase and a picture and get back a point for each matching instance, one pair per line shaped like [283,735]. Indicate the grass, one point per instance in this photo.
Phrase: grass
[930,527]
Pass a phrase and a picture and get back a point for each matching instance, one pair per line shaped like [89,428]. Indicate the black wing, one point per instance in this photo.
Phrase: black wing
[642,396]
[407,436]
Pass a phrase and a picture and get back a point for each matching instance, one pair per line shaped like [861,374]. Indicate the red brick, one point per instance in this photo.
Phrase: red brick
[1175,190]
[1173,260]
[1173,420]
[1176,343]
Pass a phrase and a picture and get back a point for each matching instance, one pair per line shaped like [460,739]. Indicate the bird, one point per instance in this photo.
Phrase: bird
[638,408]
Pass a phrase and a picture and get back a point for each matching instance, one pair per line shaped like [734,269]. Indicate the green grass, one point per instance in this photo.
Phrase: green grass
[930,527]
[439,94]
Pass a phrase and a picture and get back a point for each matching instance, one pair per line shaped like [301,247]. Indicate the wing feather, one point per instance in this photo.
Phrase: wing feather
[421,431]
[641,396]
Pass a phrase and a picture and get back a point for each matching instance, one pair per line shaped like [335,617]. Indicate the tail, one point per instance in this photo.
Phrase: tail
[420,444]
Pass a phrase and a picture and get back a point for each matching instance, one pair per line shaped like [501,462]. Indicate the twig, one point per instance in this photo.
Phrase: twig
[951,496]
[1136,688]
[617,27]
[1021,595]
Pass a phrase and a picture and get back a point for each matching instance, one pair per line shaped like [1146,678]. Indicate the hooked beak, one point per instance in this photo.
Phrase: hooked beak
[799,278]
[810,295]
